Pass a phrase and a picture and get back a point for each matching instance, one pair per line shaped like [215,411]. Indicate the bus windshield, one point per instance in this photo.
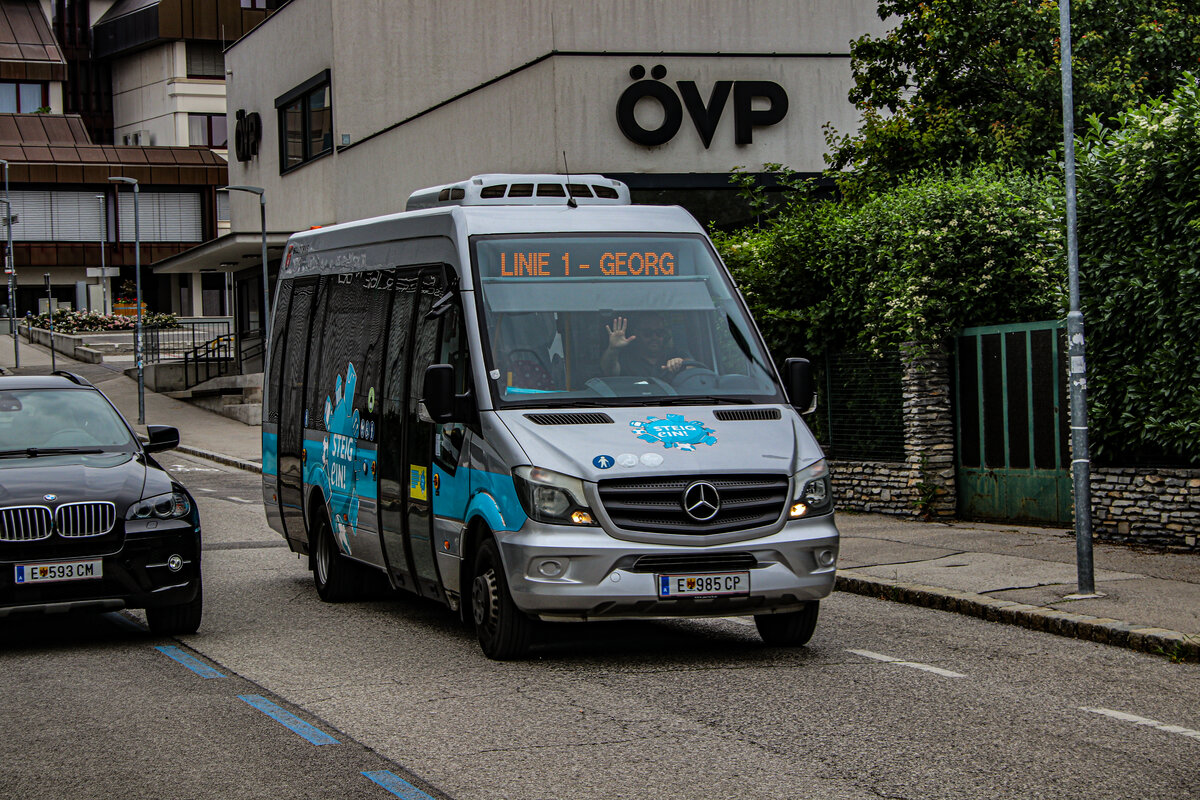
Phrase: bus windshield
[619,319]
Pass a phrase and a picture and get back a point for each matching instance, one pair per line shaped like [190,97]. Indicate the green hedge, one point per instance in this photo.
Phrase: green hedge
[1139,233]
[914,264]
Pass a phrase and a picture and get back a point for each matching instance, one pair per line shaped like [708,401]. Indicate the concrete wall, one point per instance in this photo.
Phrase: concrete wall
[509,85]
[151,92]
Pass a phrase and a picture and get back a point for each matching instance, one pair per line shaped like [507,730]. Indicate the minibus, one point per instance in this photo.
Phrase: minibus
[530,400]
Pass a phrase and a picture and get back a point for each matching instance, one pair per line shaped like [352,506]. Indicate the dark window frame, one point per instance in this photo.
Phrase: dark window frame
[208,129]
[45,87]
[301,95]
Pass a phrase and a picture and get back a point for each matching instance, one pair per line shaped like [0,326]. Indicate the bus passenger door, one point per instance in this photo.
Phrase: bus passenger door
[427,347]
[292,394]
[394,430]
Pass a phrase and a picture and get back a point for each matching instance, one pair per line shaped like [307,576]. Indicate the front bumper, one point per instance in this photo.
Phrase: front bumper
[136,576]
[601,579]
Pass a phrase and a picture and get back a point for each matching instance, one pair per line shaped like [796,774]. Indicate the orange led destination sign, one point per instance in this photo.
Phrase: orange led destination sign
[563,265]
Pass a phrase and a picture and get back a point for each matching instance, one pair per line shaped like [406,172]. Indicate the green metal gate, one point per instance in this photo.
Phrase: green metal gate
[1011,401]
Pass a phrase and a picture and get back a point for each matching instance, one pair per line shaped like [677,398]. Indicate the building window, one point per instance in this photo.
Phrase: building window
[205,60]
[23,98]
[223,207]
[208,130]
[161,217]
[305,122]
[254,4]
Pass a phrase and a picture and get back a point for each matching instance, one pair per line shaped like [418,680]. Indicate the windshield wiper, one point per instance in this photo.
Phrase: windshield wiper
[698,400]
[34,452]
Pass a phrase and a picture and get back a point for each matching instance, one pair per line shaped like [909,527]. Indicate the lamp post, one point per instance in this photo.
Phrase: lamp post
[11,269]
[262,214]
[1080,461]
[104,306]
[137,276]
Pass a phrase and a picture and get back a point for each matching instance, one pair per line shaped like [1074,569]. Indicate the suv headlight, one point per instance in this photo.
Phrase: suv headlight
[549,496]
[814,493]
[171,505]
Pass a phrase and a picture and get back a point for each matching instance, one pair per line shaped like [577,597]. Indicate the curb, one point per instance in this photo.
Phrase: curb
[221,458]
[1156,641]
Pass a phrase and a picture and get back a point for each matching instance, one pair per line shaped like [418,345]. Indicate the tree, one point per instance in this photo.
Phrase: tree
[967,81]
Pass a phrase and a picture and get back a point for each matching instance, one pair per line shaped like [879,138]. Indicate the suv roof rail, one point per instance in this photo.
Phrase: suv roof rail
[523,189]
[71,376]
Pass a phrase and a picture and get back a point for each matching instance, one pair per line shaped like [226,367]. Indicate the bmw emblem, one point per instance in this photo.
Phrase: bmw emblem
[49,498]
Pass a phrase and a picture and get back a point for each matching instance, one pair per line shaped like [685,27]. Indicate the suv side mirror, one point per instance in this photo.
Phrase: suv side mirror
[799,385]
[162,437]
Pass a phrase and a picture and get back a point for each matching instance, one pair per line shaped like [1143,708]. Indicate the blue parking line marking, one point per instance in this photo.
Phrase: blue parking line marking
[397,785]
[289,720]
[191,662]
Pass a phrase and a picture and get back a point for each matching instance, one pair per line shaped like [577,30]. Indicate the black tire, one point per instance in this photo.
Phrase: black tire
[792,629]
[336,577]
[504,631]
[177,619]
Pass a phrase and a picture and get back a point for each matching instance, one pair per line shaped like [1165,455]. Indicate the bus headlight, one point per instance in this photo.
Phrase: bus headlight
[814,493]
[549,496]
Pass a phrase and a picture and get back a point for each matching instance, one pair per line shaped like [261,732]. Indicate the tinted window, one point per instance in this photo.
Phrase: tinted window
[49,418]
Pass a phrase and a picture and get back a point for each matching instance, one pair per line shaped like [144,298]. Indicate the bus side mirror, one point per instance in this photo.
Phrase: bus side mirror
[437,393]
[799,385]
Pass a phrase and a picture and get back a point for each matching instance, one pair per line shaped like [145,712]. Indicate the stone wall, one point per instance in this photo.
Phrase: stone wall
[1159,507]
[924,483]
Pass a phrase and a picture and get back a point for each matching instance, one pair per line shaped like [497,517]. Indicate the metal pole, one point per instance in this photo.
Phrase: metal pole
[50,309]
[266,308]
[1080,460]
[12,271]
[104,306]
[137,261]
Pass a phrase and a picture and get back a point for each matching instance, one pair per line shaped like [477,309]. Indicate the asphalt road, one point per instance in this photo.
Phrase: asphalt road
[887,700]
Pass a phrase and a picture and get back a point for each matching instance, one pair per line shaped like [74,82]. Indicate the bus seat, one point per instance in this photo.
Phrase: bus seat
[524,349]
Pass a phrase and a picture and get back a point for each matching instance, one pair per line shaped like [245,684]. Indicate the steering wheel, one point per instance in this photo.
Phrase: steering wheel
[73,436]
[693,376]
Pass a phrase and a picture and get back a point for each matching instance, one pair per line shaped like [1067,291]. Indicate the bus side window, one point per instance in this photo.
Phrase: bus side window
[452,350]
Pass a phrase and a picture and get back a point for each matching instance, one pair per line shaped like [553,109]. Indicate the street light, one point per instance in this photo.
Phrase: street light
[1080,460]
[11,269]
[262,213]
[104,306]
[137,276]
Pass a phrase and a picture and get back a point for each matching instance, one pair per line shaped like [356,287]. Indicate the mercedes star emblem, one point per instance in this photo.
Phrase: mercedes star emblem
[701,501]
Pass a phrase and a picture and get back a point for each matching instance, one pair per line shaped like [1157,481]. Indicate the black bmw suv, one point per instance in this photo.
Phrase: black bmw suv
[88,519]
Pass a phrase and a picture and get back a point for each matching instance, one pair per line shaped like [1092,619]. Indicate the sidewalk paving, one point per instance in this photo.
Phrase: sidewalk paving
[1020,575]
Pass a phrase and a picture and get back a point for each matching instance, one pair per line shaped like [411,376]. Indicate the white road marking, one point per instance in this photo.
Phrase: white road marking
[202,489]
[1149,723]
[945,673]
[742,620]
[237,499]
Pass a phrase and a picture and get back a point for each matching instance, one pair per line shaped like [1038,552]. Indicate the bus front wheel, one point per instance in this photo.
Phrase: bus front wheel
[504,631]
[792,629]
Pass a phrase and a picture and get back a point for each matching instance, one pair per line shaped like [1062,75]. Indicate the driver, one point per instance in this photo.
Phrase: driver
[644,349]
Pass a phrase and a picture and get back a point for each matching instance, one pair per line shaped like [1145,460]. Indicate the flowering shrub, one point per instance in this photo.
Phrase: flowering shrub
[66,321]
[1139,235]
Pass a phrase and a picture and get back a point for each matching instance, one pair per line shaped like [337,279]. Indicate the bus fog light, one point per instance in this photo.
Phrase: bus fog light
[798,510]
[826,557]
[551,567]
[175,562]
[581,518]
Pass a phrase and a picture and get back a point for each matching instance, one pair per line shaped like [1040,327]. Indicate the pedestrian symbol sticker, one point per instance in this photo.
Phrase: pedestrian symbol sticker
[603,462]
